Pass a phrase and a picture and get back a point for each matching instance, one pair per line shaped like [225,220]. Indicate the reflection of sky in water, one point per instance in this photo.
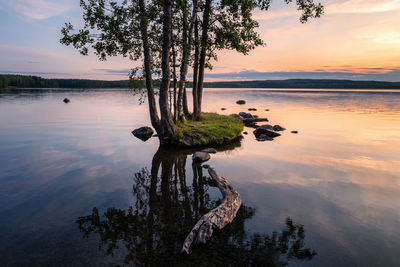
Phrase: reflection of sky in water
[340,176]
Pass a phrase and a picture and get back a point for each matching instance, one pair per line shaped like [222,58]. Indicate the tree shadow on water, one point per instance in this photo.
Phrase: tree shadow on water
[151,232]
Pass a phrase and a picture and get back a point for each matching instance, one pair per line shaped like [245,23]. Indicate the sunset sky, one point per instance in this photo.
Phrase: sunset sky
[355,39]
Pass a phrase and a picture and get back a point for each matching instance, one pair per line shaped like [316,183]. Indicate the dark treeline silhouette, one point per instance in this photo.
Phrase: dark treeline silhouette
[151,232]
[23,81]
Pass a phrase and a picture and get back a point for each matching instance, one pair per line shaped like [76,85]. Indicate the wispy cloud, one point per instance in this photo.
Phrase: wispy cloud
[336,7]
[392,74]
[38,9]
[32,53]
[115,71]
[33,72]
[363,6]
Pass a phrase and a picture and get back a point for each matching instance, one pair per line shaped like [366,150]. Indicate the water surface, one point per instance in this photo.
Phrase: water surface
[76,188]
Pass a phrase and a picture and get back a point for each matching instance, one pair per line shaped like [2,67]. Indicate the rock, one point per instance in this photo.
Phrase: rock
[143,133]
[199,157]
[156,135]
[245,133]
[246,115]
[252,109]
[278,128]
[248,118]
[236,116]
[265,130]
[66,100]
[267,126]
[266,109]
[240,102]
[252,125]
[263,137]
[209,150]
[223,108]
[294,132]
[254,120]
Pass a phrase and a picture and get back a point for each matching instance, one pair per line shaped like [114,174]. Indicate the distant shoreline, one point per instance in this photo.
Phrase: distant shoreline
[33,82]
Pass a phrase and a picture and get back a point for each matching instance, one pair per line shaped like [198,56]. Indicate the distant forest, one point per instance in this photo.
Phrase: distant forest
[23,81]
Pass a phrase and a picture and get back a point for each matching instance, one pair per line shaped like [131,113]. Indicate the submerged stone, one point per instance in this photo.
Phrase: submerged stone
[199,157]
[143,133]
[263,137]
[246,115]
[265,130]
[240,102]
[294,132]
[278,128]
[209,150]
[66,100]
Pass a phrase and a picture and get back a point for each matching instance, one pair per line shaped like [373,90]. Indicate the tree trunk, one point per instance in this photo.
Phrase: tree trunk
[174,76]
[203,46]
[187,47]
[155,120]
[218,217]
[167,125]
[185,104]
[195,67]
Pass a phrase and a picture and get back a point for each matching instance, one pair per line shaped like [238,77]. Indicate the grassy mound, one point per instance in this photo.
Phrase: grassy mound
[212,129]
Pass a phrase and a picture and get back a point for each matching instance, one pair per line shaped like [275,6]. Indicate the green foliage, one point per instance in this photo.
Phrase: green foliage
[212,129]
[112,28]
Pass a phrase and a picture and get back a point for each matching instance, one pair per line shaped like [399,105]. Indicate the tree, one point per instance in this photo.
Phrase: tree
[149,30]
[229,24]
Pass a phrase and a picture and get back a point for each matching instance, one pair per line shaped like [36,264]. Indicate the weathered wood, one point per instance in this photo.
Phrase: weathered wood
[218,217]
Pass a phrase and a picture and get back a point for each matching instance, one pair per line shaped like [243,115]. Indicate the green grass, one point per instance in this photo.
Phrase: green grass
[212,129]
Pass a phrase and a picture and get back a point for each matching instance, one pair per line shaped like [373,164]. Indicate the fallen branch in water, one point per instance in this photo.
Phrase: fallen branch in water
[218,217]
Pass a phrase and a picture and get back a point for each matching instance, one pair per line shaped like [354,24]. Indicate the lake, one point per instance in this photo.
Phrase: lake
[78,189]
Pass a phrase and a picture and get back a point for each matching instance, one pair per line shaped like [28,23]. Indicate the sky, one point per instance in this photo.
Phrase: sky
[354,39]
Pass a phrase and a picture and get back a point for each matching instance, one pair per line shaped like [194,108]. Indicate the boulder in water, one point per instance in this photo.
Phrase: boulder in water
[265,130]
[199,157]
[263,137]
[278,128]
[209,150]
[143,133]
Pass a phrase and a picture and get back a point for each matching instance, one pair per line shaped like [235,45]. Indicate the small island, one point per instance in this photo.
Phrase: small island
[211,130]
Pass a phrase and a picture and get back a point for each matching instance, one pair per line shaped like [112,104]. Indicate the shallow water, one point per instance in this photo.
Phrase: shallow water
[339,178]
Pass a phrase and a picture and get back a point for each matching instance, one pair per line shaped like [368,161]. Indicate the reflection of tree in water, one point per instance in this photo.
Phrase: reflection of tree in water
[152,231]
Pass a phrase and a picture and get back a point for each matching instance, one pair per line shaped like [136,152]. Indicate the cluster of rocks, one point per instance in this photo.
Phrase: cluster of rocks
[264,132]
[203,155]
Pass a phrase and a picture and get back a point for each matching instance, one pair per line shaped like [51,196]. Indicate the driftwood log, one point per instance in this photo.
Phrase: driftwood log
[218,217]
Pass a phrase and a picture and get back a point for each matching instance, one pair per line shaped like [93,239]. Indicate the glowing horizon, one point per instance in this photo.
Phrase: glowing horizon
[354,39]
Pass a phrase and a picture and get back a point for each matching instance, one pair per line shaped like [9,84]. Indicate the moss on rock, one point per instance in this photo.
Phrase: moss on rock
[212,129]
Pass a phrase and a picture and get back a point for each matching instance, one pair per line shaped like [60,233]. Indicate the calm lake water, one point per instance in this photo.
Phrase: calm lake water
[77,188]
